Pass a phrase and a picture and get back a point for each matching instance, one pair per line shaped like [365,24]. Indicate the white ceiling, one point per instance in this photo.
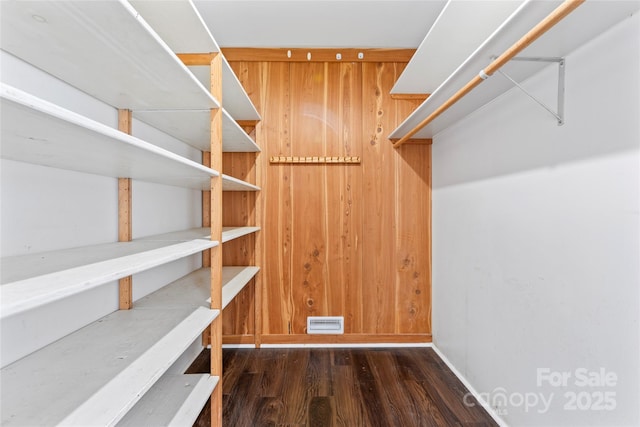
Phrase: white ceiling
[319,23]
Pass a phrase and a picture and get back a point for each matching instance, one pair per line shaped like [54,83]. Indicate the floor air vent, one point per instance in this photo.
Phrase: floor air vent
[325,325]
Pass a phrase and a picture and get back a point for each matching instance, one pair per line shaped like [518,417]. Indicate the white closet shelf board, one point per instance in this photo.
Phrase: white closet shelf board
[173,401]
[179,236]
[194,287]
[30,281]
[234,97]
[181,26]
[230,183]
[193,127]
[95,375]
[230,233]
[236,100]
[103,48]
[39,132]
[234,138]
[459,29]
[234,279]
[580,26]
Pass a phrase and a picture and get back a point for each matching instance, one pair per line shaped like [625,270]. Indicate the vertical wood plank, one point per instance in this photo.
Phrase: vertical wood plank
[206,210]
[274,105]
[413,288]
[378,198]
[308,240]
[125,285]
[240,210]
[216,234]
[259,241]
[343,187]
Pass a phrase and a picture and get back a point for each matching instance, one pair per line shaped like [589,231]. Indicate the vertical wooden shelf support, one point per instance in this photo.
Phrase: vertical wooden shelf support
[206,222]
[216,234]
[125,291]
[206,210]
[252,129]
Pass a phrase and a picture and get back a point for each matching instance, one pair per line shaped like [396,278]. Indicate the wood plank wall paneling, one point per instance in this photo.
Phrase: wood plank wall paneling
[239,210]
[351,240]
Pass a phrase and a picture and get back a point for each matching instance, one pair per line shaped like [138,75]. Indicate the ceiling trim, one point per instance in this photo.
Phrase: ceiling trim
[317,55]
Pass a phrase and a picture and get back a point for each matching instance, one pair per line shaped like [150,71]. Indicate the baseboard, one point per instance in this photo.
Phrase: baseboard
[491,411]
[346,345]
[346,340]
[238,346]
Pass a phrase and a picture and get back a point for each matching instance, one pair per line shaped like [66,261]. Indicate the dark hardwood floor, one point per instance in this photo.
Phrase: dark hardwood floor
[402,387]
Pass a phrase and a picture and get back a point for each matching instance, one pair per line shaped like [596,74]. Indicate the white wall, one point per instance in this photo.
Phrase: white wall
[44,209]
[536,235]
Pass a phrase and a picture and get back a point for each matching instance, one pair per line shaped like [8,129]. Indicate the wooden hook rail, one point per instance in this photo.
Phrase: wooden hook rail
[542,27]
[316,159]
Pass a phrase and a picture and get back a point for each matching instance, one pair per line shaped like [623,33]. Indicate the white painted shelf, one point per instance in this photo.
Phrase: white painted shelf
[105,49]
[30,281]
[189,34]
[95,375]
[37,131]
[580,26]
[174,401]
[459,29]
[230,183]
[234,138]
[234,98]
[234,279]
[193,128]
[230,233]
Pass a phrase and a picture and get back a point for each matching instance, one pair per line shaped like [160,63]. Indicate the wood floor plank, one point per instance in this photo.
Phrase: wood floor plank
[234,366]
[447,390]
[319,373]
[392,391]
[268,411]
[271,364]
[378,412]
[341,387]
[320,412]
[298,388]
[349,406]
[410,370]
[429,415]
[244,402]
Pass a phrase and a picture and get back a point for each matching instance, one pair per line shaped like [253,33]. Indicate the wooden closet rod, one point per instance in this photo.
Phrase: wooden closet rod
[542,27]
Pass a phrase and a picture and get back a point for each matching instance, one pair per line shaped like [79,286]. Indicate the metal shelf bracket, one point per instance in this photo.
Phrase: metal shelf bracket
[559,115]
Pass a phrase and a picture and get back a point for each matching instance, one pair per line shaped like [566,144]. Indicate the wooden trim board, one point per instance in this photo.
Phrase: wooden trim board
[331,339]
[317,55]
[125,285]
